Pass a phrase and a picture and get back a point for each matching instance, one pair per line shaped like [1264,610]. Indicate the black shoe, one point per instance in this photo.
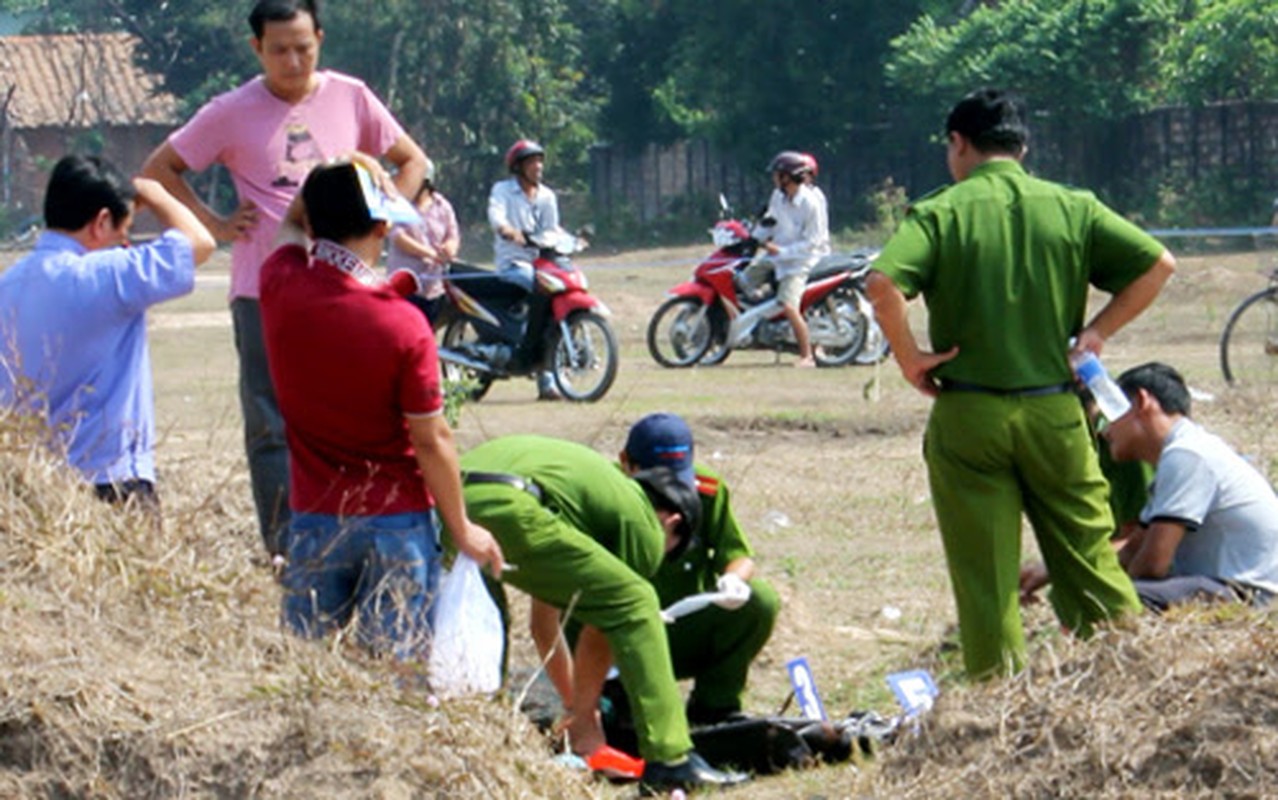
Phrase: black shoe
[694,773]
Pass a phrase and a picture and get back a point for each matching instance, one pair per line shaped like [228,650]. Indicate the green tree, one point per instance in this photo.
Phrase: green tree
[1228,50]
[465,78]
[753,77]
[1083,59]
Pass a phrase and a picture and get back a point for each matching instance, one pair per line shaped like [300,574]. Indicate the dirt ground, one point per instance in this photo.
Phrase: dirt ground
[827,478]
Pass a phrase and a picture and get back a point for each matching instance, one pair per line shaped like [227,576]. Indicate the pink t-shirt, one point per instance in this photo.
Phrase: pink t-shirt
[269,146]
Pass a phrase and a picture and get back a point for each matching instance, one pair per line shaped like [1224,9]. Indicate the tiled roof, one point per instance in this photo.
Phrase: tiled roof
[79,81]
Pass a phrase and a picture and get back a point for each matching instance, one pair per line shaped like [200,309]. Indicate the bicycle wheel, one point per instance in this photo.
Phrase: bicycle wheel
[1249,345]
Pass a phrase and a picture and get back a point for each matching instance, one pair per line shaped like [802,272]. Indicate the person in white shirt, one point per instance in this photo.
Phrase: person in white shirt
[796,241]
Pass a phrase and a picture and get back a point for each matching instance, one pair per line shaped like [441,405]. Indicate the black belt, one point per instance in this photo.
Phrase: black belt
[506,479]
[948,385]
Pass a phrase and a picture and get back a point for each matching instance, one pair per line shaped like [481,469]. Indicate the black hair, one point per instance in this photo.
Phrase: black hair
[992,120]
[281,11]
[1162,382]
[668,492]
[80,187]
[334,202]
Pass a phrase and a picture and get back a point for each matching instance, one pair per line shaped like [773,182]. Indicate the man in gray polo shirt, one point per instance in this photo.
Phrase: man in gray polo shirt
[1210,528]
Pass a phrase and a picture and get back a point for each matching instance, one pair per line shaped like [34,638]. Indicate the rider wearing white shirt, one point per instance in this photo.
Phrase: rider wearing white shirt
[798,239]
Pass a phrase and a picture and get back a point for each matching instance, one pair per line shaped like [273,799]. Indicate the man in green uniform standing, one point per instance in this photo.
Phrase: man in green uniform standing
[714,646]
[580,534]
[1004,261]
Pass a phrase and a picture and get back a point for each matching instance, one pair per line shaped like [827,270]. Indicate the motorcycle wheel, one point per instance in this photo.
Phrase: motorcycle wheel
[837,317]
[719,350]
[680,332]
[876,349]
[459,332]
[584,361]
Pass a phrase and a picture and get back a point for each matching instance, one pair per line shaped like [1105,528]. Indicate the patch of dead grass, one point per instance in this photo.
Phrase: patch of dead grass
[141,663]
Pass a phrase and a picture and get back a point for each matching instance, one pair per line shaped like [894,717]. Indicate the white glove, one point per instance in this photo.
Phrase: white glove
[735,592]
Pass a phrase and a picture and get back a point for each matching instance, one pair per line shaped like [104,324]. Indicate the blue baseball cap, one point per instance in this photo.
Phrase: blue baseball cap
[662,440]
[381,206]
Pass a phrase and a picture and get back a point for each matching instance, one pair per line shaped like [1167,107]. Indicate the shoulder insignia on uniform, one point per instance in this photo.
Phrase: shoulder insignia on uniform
[707,485]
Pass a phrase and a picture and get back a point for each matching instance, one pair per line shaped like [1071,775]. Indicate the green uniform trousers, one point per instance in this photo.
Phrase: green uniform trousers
[715,647]
[989,458]
[556,562]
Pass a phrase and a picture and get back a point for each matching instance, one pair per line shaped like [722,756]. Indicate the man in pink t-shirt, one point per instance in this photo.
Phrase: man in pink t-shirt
[269,133]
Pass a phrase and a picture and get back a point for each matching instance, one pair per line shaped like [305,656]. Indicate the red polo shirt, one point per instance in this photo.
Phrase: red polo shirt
[349,362]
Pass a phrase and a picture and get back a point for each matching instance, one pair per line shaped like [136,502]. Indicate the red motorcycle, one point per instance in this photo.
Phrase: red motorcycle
[708,317]
[493,328]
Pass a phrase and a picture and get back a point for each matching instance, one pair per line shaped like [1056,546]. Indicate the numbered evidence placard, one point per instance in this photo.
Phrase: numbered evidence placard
[915,690]
[805,690]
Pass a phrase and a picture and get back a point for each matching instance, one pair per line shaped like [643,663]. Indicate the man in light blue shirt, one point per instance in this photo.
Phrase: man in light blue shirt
[73,346]
[521,205]
[517,207]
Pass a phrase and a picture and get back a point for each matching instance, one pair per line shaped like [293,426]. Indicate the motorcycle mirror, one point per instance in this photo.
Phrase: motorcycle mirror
[767,222]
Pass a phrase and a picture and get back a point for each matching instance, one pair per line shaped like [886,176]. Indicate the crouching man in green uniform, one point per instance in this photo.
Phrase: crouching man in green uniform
[714,646]
[580,534]
[1004,261]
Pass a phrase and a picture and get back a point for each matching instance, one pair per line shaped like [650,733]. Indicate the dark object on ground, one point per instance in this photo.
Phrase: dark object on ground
[768,745]
[762,745]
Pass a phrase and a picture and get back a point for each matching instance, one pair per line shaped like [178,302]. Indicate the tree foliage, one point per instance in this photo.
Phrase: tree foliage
[467,77]
[1227,50]
[1088,59]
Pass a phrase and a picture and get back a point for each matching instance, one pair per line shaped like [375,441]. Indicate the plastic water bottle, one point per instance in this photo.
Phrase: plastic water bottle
[1109,398]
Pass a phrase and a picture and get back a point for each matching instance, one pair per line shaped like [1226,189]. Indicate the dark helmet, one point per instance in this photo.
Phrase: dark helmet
[668,492]
[792,163]
[524,148]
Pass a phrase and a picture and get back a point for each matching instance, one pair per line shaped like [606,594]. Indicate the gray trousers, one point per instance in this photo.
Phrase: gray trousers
[264,442]
[1159,595]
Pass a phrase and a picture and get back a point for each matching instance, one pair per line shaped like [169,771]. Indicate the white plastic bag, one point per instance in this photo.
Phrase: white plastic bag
[465,654]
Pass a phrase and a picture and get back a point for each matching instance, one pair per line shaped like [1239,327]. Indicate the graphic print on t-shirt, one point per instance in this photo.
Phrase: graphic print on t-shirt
[301,153]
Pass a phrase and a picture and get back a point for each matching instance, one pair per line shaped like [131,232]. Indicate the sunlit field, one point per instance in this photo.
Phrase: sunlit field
[139,663]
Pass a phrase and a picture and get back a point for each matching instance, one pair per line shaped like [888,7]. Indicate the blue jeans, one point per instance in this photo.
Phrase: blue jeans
[385,569]
[264,442]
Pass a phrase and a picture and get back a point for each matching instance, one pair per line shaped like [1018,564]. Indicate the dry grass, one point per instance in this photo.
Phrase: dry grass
[1180,706]
[145,664]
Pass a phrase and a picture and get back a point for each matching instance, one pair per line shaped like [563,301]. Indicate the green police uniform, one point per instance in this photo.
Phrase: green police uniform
[592,540]
[1128,484]
[1004,261]
[715,646]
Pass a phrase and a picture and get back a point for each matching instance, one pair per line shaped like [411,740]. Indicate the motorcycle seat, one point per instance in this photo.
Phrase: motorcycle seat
[857,262]
[484,282]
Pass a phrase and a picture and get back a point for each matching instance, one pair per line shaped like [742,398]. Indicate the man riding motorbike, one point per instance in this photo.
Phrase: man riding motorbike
[798,239]
[521,207]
